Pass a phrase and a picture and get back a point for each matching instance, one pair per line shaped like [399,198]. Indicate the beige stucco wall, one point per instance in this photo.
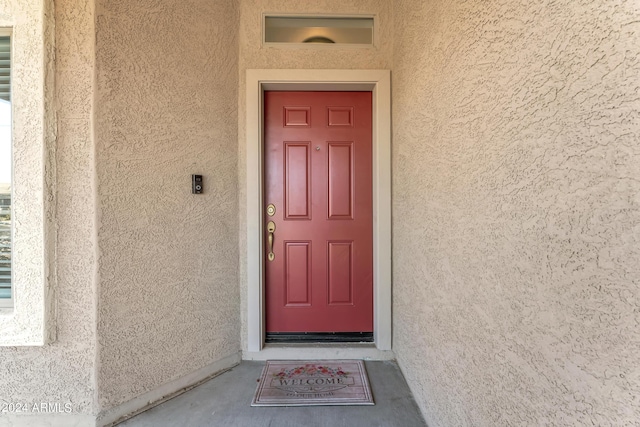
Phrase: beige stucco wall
[61,372]
[166,108]
[255,56]
[516,210]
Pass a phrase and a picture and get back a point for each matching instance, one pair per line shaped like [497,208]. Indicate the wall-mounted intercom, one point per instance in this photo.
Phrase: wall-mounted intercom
[196,184]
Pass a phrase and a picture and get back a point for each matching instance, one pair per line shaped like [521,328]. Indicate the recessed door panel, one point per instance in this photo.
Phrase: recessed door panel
[298,273]
[340,273]
[297,180]
[340,180]
[297,116]
[340,116]
[318,177]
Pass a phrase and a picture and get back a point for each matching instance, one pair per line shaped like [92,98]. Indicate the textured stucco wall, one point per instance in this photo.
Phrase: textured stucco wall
[61,372]
[516,210]
[166,108]
[255,56]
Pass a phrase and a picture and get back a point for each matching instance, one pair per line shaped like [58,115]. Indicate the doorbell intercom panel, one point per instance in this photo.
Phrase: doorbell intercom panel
[196,184]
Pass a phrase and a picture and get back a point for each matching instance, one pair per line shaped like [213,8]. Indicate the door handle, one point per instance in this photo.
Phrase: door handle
[271,227]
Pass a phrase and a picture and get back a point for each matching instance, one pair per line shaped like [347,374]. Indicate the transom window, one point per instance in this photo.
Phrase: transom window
[313,30]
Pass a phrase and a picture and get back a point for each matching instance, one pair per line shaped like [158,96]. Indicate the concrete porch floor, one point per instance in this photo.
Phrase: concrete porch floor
[225,401]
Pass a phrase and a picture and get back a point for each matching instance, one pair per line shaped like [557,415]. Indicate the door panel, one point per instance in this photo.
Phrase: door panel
[297,171]
[340,180]
[298,273]
[340,273]
[318,164]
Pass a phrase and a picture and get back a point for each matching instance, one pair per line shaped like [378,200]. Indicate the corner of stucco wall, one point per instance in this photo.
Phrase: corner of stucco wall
[168,259]
[516,210]
[50,131]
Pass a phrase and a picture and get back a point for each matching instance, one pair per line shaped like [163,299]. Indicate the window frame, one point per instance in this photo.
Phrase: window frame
[31,319]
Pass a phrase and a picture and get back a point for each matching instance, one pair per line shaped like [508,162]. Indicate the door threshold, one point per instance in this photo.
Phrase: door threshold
[318,337]
[315,351]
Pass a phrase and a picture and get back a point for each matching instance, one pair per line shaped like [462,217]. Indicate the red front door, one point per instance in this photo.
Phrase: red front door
[318,164]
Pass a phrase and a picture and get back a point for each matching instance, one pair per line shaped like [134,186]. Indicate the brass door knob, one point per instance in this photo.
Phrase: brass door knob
[271,227]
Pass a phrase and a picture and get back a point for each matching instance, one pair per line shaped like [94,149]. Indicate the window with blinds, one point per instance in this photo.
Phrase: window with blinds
[5,170]
[5,68]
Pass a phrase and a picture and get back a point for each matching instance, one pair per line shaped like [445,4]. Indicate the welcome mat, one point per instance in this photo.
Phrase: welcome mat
[313,382]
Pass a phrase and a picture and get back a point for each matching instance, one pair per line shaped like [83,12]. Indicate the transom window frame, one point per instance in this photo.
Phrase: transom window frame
[374,36]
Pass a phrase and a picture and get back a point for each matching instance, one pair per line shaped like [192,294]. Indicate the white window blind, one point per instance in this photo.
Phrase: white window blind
[5,169]
[5,68]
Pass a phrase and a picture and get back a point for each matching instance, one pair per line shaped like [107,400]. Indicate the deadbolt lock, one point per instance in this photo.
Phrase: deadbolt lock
[271,210]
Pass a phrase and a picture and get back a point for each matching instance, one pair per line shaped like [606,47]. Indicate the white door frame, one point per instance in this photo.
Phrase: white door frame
[379,83]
